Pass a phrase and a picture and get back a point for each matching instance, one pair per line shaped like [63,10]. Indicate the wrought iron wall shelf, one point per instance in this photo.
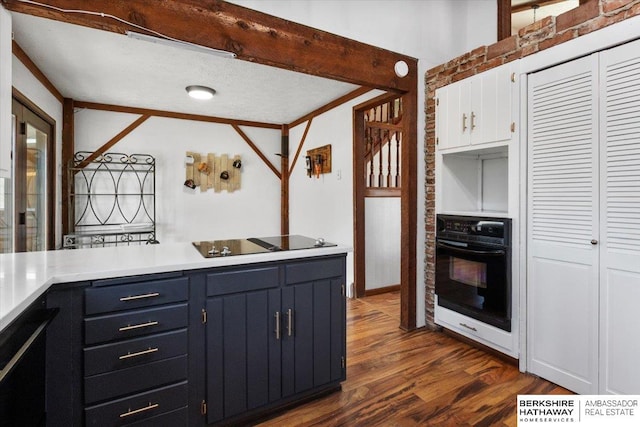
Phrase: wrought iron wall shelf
[112,200]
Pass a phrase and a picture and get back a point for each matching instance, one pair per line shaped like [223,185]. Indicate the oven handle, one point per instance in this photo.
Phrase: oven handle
[470,251]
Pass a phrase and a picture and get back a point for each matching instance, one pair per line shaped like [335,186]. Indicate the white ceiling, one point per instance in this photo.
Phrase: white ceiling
[104,67]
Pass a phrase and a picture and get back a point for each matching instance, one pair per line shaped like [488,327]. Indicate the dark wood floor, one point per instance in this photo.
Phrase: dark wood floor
[420,378]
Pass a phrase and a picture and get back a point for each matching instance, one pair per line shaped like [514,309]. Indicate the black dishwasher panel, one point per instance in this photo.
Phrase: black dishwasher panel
[22,367]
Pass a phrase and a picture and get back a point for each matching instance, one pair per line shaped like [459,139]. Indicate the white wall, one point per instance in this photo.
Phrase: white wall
[433,31]
[182,214]
[29,86]
[382,245]
[323,207]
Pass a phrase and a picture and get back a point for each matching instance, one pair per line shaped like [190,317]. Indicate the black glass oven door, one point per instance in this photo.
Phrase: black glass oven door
[473,280]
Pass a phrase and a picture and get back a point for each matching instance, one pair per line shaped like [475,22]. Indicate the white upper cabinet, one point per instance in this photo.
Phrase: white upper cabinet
[5,93]
[476,110]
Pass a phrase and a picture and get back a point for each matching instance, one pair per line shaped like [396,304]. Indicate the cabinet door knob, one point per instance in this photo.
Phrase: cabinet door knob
[594,242]
[464,122]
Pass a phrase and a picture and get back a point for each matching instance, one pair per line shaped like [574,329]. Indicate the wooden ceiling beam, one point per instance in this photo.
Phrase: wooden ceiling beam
[253,36]
[173,115]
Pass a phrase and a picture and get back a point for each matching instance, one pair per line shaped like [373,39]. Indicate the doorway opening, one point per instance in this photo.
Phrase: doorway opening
[27,205]
[378,153]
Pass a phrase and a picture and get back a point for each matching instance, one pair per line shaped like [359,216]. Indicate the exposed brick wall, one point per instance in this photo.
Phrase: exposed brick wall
[546,33]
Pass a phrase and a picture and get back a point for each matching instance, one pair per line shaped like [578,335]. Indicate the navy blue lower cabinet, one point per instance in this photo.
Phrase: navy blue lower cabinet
[273,341]
[135,351]
[241,348]
[217,346]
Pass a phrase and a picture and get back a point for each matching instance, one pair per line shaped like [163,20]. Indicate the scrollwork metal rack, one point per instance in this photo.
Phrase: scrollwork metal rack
[112,200]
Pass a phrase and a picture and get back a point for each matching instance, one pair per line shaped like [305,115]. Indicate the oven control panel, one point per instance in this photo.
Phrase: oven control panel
[493,230]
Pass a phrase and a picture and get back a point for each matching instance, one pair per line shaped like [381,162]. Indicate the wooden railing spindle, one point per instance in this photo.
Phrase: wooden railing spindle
[398,138]
[383,125]
[389,138]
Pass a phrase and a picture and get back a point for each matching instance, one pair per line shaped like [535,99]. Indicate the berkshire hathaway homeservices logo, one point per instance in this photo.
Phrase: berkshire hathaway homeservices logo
[582,410]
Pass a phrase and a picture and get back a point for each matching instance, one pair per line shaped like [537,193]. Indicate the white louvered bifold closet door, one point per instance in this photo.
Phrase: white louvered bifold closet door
[562,268]
[620,220]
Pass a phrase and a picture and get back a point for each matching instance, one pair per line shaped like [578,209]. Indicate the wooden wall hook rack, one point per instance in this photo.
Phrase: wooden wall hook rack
[320,159]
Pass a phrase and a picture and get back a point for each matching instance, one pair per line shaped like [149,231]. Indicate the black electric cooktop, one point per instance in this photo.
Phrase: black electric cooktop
[255,245]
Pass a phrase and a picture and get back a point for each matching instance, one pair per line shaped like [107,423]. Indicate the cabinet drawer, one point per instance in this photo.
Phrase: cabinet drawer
[308,271]
[134,352]
[176,418]
[241,281]
[135,323]
[474,329]
[131,380]
[165,406]
[136,295]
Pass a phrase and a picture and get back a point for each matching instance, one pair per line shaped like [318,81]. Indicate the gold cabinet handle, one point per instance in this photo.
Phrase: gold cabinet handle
[139,353]
[464,122]
[138,326]
[289,322]
[130,412]
[143,296]
[277,331]
[473,120]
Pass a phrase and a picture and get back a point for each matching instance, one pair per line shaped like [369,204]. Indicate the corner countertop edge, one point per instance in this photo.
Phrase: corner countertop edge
[24,277]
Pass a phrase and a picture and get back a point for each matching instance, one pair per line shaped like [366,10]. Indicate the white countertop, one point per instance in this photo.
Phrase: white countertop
[26,276]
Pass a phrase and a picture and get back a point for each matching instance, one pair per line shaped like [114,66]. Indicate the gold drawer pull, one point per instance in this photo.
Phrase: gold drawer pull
[277,330]
[137,411]
[138,326]
[139,353]
[289,322]
[136,297]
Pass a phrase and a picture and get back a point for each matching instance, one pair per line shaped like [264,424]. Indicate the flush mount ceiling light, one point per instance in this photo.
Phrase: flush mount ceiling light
[200,92]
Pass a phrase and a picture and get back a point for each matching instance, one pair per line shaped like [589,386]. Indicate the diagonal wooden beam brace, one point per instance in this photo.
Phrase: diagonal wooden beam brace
[331,105]
[37,72]
[257,150]
[304,136]
[113,141]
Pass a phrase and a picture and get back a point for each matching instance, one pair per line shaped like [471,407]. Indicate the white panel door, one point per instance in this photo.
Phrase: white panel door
[620,219]
[562,267]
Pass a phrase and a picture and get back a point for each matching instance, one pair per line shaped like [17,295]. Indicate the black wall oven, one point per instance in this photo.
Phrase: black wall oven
[473,267]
